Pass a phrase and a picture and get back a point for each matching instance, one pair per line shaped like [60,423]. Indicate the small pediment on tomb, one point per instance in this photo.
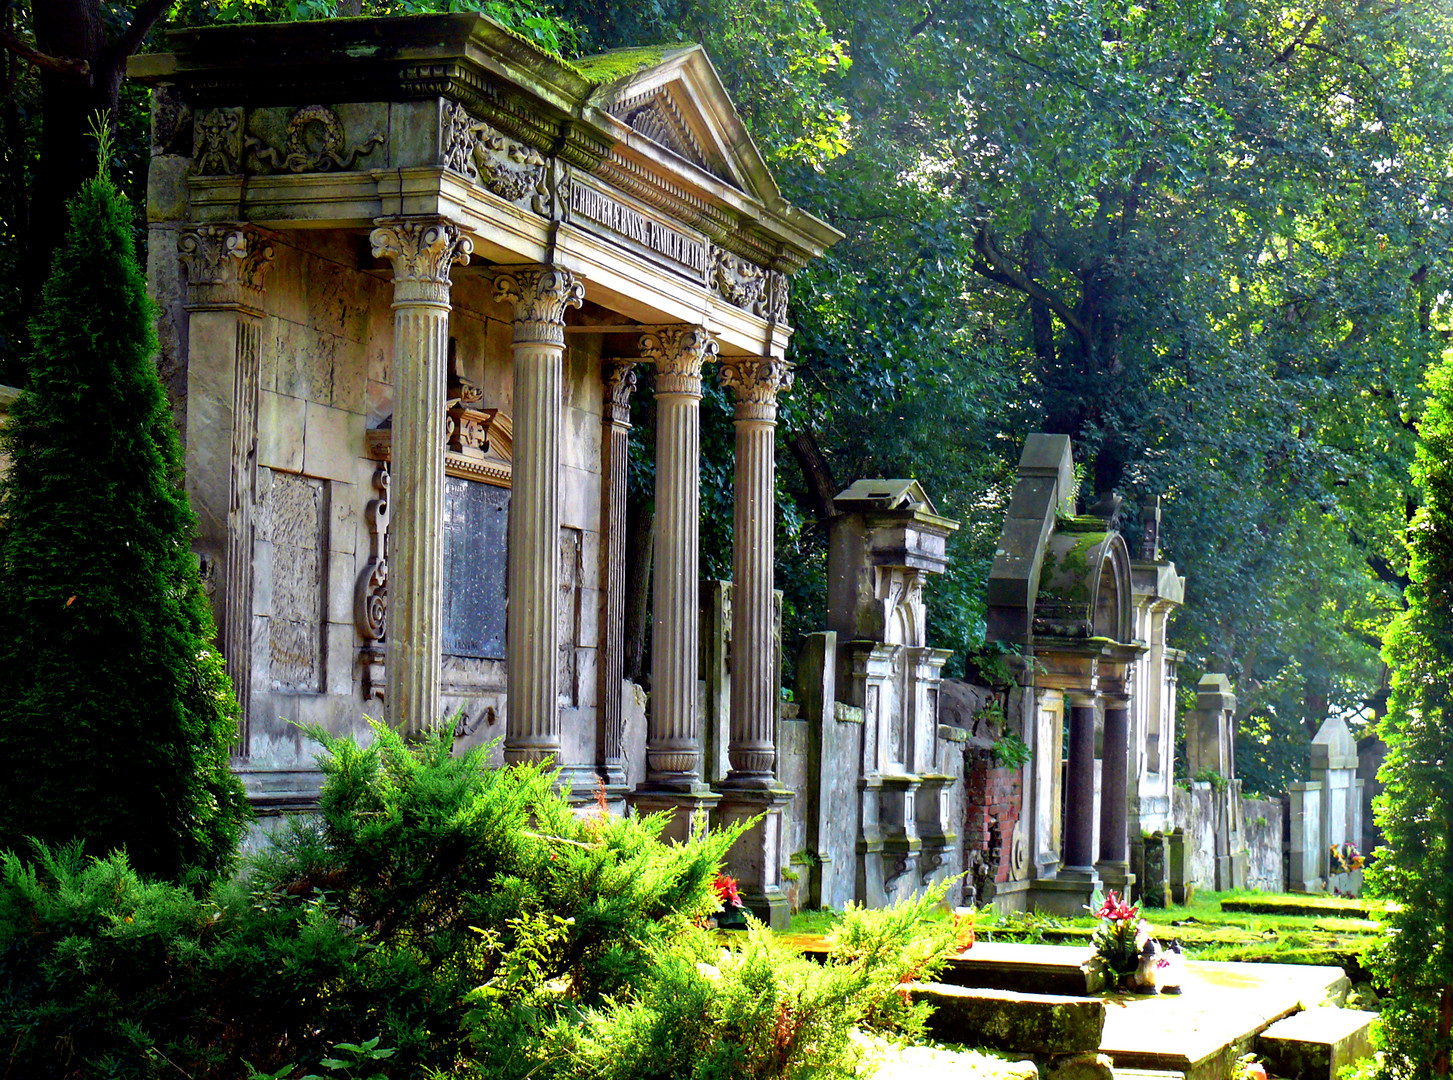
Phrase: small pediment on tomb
[674,98]
[478,443]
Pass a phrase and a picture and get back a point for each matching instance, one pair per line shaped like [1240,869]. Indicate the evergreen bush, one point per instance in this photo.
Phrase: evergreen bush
[116,716]
[1414,868]
[425,877]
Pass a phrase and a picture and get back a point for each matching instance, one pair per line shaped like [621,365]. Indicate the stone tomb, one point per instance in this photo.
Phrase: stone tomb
[1060,594]
[410,272]
[1326,811]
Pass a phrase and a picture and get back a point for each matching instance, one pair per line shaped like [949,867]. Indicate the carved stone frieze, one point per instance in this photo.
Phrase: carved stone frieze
[656,116]
[314,142]
[778,293]
[423,253]
[217,142]
[756,381]
[678,353]
[510,169]
[171,123]
[539,299]
[738,281]
[225,265]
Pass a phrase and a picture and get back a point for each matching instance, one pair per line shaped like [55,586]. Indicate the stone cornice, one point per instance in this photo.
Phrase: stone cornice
[225,265]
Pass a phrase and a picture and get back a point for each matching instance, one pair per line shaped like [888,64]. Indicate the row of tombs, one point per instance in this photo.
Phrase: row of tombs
[406,293]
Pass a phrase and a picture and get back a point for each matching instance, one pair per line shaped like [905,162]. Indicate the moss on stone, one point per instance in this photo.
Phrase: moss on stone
[608,67]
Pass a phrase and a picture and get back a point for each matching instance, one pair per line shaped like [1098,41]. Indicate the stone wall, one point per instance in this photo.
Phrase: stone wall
[1265,868]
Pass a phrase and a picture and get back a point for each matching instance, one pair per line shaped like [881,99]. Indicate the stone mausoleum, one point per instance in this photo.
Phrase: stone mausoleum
[410,271]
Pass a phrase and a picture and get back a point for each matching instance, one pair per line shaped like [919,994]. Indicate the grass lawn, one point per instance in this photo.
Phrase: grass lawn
[1205,930]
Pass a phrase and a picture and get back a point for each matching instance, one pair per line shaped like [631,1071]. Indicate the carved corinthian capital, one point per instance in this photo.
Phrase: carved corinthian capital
[539,298]
[678,353]
[225,265]
[756,381]
[620,382]
[423,253]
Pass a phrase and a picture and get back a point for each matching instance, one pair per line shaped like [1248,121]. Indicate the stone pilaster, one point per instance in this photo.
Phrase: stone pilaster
[620,381]
[225,266]
[673,736]
[539,297]
[755,382]
[423,253]
[1080,793]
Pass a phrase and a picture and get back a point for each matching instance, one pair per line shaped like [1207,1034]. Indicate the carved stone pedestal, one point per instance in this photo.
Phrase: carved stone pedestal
[756,858]
[689,808]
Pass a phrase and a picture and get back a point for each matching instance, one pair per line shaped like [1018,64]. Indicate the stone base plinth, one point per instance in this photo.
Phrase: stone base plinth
[1116,875]
[1068,894]
[756,859]
[689,808]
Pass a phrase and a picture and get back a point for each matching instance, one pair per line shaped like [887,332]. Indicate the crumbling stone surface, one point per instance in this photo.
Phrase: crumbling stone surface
[1082,1067]
[1023,1023]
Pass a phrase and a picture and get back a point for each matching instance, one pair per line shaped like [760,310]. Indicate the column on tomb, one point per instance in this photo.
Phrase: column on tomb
[1114,778]
[539,297]
[1080,786]
[673,736]
[755,383]
[225,265]
[620,381]
[423,253]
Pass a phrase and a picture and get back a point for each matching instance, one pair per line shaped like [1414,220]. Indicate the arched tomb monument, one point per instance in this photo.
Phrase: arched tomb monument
[1060,592]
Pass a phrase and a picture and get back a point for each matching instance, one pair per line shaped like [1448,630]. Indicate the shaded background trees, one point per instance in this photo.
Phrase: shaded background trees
[1207,241]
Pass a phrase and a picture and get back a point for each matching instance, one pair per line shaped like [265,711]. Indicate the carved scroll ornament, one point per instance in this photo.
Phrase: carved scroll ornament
[298,156]
[370,594]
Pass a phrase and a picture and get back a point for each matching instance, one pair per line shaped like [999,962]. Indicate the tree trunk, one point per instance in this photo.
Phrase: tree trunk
[821,486]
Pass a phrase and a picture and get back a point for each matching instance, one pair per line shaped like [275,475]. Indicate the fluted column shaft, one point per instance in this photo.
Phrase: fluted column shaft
[620,381]
[673,730]
[1114,777]
[225,268]
[532,635]
[1080,788]
[752,750]
[423,253]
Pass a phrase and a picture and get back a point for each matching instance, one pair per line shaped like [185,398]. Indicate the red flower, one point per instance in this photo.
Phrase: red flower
[1116,909]
[726,891]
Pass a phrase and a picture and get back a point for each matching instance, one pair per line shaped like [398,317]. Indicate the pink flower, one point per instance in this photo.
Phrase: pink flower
[1116,909]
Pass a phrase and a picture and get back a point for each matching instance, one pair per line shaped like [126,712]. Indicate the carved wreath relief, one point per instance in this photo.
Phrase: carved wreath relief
[510,169]
[313,141]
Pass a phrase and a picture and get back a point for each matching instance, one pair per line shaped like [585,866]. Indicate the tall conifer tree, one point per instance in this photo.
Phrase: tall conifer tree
[115,712]
[1415,866]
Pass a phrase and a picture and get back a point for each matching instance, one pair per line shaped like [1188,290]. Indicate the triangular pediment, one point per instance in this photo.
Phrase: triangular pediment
[674,98]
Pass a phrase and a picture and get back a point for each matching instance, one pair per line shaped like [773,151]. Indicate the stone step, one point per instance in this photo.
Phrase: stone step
[1028,969]
[1042,1024]
[1316,1043]
[1147,1074]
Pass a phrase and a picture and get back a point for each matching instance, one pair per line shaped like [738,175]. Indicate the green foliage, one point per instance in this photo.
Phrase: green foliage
[1414,867]
[429,886]
[1011,751]
[1210,776]
[116,717]
[760,1012]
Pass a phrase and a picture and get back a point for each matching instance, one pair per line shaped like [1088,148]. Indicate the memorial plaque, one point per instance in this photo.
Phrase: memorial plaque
[476,520]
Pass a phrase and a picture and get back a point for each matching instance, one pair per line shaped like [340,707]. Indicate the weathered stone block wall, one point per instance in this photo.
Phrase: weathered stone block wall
[1195,814]
[792,773]
[1263,819]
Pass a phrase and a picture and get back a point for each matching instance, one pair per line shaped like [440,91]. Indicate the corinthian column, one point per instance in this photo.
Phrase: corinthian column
[423,253]
[673,736]
[755,383]
[225,266]
[539,299]
[620,381]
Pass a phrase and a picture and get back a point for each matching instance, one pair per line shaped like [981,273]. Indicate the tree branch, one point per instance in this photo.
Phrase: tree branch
[1298,41]
[141,23]
[997,267]
[76,69]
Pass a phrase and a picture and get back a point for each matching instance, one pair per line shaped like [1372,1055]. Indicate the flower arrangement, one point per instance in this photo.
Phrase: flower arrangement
[1345,858]
[726,891]
[1120,936]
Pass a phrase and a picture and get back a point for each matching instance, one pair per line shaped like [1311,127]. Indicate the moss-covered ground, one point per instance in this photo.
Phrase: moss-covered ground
[1332,933]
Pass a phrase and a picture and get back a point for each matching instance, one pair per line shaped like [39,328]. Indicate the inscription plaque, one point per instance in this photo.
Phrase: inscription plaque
[674,247]
[476,527]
